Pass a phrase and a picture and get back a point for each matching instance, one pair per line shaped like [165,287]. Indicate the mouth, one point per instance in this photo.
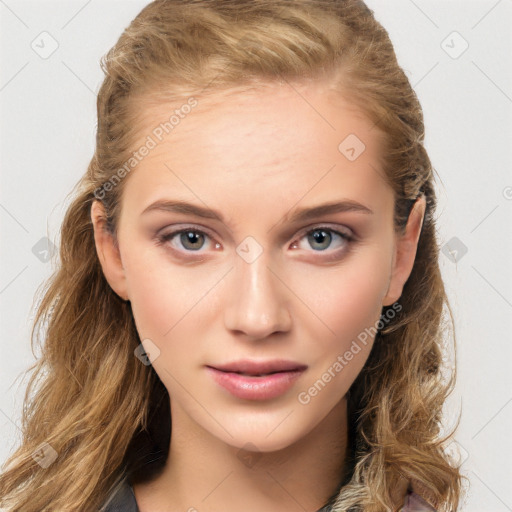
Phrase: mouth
[252,368]
[252,380]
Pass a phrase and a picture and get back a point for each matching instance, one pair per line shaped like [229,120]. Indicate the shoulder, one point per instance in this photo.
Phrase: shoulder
[415,503]
[121,499]
[412,503]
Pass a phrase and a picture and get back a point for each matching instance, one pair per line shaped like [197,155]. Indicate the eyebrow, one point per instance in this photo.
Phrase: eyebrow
[299,215]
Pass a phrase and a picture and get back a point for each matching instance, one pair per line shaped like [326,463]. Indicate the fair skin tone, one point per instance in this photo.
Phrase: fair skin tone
[257,158]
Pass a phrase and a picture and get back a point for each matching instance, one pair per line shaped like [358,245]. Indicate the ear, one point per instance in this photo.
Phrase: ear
[108,251]
[405,252]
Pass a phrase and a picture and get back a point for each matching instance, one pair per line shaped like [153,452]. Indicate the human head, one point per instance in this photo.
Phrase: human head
[251,156]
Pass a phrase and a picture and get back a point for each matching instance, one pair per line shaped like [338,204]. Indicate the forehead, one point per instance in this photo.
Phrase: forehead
[284,135]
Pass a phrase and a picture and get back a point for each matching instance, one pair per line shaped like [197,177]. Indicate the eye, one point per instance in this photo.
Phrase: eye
[190,239]
[320,238]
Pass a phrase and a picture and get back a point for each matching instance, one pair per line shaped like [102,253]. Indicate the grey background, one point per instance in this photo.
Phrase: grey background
[47,123]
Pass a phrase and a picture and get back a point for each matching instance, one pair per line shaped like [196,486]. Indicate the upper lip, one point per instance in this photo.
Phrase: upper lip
[259,367]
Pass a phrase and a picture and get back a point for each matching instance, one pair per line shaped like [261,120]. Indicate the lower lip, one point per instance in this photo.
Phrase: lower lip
[255,388]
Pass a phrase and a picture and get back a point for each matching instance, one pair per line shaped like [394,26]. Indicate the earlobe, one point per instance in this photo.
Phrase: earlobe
[405,252]
[108,251]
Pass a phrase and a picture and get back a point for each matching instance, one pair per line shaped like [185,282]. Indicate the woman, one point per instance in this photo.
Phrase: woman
[248,314]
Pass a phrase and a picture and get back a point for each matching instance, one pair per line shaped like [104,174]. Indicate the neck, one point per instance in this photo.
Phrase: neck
[204,473]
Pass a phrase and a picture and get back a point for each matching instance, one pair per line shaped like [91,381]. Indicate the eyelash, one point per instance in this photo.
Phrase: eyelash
[163,239]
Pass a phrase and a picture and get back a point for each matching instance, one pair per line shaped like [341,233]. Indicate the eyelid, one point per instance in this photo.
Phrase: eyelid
[176,229]
[346,232]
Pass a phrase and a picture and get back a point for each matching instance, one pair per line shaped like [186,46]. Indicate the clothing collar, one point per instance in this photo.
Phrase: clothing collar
[400,491]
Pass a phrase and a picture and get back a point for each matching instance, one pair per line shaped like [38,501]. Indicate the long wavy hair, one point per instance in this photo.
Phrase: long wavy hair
[106,415]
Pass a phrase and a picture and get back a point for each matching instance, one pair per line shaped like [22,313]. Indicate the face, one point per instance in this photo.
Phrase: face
[265,277]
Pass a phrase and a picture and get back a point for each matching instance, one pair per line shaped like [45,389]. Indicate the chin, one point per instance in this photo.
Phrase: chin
[262,439]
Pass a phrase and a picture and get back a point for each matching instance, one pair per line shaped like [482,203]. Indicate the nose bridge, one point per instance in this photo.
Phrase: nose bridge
[258,303]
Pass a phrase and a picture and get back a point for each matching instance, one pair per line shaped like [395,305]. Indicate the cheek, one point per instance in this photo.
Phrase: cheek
[165,297]
[348,301]
[348,298]
[349,309]
[333,304]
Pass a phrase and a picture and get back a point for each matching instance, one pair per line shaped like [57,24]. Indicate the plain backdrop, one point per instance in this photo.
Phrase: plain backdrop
[457,55]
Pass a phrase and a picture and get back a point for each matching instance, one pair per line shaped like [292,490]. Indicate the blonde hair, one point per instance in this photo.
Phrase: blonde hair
[106,414]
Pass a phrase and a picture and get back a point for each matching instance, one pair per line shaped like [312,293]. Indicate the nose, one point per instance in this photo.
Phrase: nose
[259,300]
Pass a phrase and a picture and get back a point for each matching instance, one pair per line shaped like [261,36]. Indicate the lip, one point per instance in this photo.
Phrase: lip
[253,387]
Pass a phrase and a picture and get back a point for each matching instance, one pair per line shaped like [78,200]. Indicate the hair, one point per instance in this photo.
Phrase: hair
[106,415]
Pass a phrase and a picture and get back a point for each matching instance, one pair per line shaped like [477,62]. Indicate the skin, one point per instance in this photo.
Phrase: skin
[256,157]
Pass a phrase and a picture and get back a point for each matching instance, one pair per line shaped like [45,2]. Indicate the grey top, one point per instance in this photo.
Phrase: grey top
[123,500]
